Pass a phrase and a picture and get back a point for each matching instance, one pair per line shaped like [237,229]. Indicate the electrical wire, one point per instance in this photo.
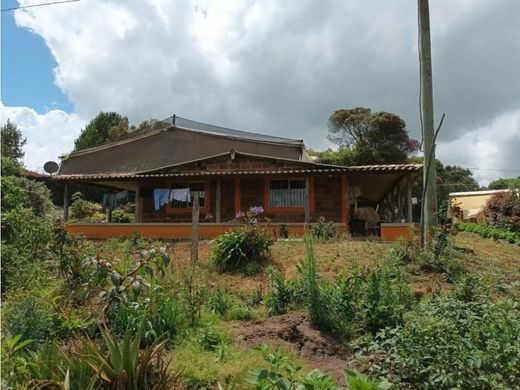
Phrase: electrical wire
[39,5]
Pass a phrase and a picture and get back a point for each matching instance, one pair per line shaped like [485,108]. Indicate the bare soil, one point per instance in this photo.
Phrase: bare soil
[294,331]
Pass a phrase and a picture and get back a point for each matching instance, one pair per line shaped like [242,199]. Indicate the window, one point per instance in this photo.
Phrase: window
[181,198]
[287,193]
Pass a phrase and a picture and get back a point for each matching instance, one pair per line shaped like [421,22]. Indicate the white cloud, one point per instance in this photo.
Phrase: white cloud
[492,149]
[48,135]
[283,67]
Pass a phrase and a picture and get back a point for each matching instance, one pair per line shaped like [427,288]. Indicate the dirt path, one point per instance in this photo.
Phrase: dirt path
[294,331]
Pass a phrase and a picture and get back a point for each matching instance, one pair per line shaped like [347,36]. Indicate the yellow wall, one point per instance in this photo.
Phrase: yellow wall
[470,203]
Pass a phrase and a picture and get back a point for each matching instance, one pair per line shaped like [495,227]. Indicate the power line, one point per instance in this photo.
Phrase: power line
[39,5]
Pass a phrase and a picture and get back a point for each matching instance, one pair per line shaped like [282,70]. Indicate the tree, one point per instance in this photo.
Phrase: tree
[374,137]
[503,184]
[105,127]
[12,142]
[451,178]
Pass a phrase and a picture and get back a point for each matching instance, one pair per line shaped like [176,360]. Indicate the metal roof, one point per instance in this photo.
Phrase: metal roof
[318,169]
[189,124]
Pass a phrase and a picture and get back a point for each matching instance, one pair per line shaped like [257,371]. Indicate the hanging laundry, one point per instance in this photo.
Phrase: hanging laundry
[108,201]
[181,195]
[161,196]
[121,198]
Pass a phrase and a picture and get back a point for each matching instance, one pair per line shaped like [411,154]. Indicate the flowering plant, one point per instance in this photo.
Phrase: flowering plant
[251,216]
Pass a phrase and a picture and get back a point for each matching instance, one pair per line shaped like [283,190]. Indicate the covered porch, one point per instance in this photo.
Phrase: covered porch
[294,198]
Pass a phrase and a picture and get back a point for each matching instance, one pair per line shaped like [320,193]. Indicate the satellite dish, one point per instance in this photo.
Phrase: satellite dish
[51,167]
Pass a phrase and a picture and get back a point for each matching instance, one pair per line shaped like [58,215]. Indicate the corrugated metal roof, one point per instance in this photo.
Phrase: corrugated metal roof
[189,124]
[331,169]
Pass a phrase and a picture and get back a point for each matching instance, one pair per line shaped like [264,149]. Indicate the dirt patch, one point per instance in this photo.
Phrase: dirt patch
[294,331]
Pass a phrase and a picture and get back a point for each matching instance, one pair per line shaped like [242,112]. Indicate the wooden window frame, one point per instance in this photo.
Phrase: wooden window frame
[207,200]
[296,209]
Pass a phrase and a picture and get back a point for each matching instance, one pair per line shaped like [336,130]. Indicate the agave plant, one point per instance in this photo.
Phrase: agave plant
[124,365]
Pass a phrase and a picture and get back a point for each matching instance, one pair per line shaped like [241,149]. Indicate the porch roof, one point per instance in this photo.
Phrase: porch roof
[389,168]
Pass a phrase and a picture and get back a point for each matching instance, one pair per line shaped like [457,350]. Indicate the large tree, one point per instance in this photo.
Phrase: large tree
[374,137]
[502,184]
[12,141]
[105,127]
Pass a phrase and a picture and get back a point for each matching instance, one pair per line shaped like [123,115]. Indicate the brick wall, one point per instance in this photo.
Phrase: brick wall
[327,197]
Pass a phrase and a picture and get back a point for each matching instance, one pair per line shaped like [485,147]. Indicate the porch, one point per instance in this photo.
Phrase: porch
[293,198]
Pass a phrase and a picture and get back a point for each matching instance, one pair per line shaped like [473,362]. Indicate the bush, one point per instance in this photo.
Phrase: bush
[235,250]
[503,211]
[31,315]
[490,232]
[324,230]
[20,192]
[280,295]
[121,216]
[447,343]
[158,318]
[83,210]
[359,302]
[229,306]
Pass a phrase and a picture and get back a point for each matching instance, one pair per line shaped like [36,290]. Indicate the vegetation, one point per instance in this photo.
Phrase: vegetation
[489,232]
[375,137]
[503,184]
[12,142]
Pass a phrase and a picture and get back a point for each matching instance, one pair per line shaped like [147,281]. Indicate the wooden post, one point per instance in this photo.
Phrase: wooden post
[399,203]
[137,217]
[307,200]
[344,200]
[237,195]
[429,206]
[195,229]
[66,203]
[409,199]
[217,202]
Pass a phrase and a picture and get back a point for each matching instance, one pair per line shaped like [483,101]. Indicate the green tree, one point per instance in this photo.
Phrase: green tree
[105,127]
[452,178]
[12,141]
[503,184]
[374,137]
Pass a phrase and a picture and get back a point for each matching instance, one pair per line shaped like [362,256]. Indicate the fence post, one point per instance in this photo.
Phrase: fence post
[195,229]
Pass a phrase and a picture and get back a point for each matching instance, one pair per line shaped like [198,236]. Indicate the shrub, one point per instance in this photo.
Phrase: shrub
[229,306]
[20,192]
[279,296]
[357,302]
[235,250]
[503,211]
[490,232]
[31,315]
[162,316]
[324,230]
[120,364]
[82,209]
[121,216]
[448,343]
[282,373]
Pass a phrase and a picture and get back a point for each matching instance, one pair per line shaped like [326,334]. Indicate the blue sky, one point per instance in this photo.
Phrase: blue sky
[27,68]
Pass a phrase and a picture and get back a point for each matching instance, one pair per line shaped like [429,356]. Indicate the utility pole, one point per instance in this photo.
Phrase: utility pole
[429,204]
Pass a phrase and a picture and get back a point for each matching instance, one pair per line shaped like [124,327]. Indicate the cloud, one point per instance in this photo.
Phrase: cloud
[48,135]
[283,67]
[491,149]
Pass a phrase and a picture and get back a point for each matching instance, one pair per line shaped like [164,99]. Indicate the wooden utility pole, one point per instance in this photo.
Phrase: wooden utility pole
[195,229]
[429,204]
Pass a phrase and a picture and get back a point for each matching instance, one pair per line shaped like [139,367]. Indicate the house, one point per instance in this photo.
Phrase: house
[231,170]
[471,203]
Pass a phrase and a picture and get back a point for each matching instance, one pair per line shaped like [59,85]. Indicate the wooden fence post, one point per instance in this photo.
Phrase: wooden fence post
[195,229]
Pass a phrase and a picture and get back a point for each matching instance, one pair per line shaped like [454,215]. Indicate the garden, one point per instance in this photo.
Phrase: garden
[255,311]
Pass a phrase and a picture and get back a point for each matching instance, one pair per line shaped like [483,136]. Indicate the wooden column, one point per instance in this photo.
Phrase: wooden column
[307,200]
[237,195]
[344,200]
[195,229]
[409,199]
[66,203]
[138,204]
[217,202]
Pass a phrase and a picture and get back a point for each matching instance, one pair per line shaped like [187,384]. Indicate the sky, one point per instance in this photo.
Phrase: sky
[266,66]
